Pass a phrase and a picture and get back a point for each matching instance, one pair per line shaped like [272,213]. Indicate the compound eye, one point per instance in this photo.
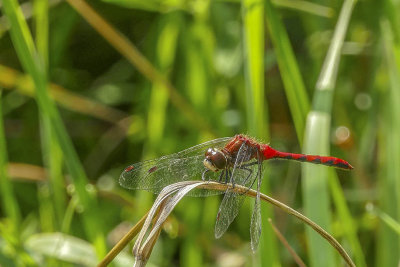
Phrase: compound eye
[210,152]
[216,158]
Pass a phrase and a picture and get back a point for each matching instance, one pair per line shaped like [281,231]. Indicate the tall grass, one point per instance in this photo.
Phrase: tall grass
[9,205]
[257,110]
[111,83]
[290,74]
[33,64]
[315,178]
[389,193]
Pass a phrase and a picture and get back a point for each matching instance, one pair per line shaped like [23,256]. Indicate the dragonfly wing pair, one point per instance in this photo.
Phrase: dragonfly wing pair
[154,175]
[245,172]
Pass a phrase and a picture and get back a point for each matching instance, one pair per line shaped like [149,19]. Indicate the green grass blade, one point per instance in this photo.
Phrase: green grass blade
[346,220]
[253,18]
[40,8]
[289,70]
[391,10]
[53,159]
[8,200]
[305,6]
[315,188]
[317,140]
[196,77]
[327,78]
[392,49]
[20,34]
[52,156]
[322,102]
[165,51]
[257,113]
[389,197]
[33,65]
[389,221]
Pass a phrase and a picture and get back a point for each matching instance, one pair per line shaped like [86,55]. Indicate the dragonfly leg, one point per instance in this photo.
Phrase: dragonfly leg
[244,167]
[248,164]
[220,176]
[204,173]
[259,162]
[248,176]
[252,183]
[229,174]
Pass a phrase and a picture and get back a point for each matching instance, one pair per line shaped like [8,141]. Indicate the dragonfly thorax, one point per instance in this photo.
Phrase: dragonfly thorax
[215,159]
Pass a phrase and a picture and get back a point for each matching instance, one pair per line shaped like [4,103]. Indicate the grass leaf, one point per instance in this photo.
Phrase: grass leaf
[317,139]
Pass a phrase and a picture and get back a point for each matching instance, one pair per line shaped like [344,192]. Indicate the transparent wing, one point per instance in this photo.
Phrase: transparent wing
[154,175]
[255,227]
[244,173]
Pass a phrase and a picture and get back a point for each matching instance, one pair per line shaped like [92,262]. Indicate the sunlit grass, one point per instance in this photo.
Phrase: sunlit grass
[316,194]
[33,65]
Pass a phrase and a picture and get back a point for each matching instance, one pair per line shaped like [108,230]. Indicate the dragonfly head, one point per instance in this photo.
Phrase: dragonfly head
[215,159]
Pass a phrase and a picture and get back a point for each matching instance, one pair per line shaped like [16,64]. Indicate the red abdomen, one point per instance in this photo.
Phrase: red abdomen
[269,153]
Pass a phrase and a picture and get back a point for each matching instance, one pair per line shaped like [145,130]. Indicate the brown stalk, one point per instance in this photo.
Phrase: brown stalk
[123,242]
[10,78]
[283,240]
[27,172]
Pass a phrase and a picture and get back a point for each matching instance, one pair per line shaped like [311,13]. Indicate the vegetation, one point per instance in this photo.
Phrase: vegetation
[87,88]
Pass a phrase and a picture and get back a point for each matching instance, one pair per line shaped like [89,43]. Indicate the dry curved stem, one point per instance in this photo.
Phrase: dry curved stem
[123,242]
[182,188]
[27,172]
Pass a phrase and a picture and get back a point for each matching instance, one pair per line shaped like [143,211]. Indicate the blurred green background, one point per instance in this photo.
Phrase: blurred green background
[87,88]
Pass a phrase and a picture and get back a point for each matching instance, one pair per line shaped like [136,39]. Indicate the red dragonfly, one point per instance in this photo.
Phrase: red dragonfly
[234,160]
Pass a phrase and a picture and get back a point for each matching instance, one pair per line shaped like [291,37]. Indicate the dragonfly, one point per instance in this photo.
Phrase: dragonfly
[235,160]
